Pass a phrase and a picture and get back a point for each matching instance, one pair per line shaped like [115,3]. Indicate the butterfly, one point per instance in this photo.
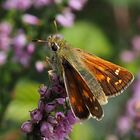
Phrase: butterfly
[88,79]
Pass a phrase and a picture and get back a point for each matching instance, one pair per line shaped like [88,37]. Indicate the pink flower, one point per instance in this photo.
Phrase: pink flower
[27,127]
[124,125]
[136,43]
[127,56]
[30,48]
[77,4]
[66,19]
[39,65]
[19,40]
[30,19]
[133,107]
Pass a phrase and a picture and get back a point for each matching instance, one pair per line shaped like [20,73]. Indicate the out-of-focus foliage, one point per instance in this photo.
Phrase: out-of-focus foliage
[109,29]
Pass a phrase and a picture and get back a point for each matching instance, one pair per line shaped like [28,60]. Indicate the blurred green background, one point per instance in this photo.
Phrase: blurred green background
[107,28]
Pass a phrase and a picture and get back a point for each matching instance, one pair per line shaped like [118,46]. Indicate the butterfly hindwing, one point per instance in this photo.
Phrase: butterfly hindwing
[81,99]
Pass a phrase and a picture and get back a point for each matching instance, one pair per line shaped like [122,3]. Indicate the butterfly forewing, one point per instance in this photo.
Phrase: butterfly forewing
[112,78]
[81,98]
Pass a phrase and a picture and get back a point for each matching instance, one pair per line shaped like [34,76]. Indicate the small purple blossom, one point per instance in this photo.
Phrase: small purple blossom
[43,90]
[41,105]
[71,117]
[50,107]
[60,101]
[30,19]
[27,127]
[63,128]
[66,19]
[47,130]
[52,120]
[36,115]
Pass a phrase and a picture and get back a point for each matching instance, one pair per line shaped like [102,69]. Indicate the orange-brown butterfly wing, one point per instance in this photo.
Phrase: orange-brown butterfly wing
[81,99]
[112,78]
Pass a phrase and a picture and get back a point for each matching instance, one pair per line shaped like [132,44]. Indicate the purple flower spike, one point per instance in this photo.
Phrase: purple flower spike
[36,115]
[53,119]
[27,127]
[50,107]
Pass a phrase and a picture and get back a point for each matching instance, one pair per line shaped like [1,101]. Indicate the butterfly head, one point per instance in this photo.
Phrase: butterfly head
[55,42]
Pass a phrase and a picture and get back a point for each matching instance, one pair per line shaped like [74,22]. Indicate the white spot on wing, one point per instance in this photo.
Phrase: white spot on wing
[117,71]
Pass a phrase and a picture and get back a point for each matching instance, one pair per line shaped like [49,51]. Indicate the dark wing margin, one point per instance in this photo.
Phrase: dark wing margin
[82,101]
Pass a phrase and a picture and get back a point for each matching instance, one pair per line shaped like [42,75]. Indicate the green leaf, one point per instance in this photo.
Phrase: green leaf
[25,99]
[88,37]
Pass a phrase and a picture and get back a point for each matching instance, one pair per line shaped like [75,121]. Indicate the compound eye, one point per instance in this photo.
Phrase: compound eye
[54,47]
